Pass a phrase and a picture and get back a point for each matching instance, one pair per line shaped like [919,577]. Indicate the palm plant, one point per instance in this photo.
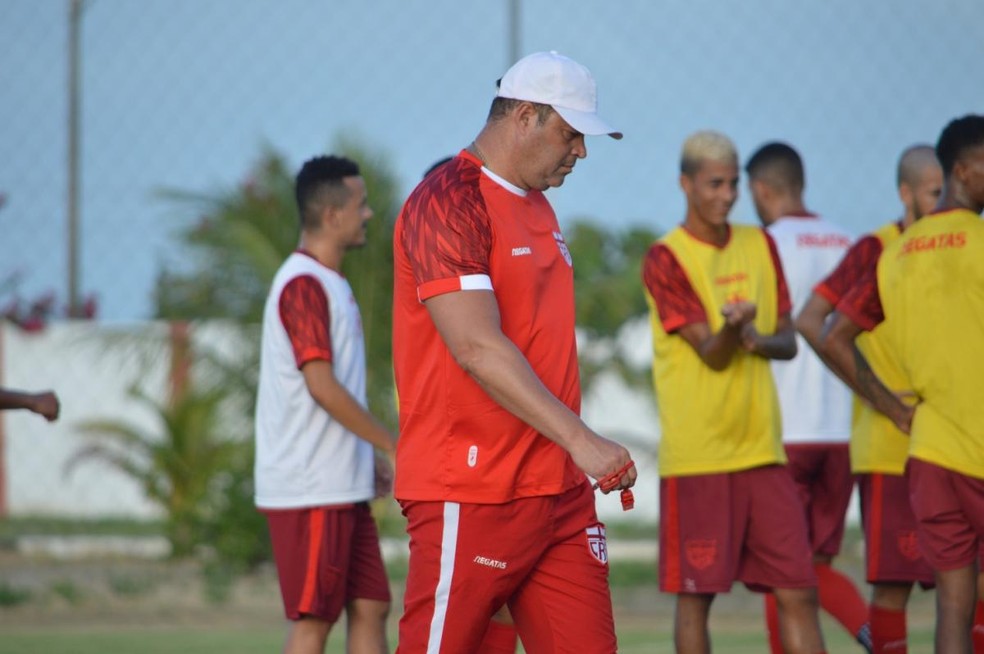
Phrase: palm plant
[608,294]
[232,253]
[234,250]
[244,235]
[179,465]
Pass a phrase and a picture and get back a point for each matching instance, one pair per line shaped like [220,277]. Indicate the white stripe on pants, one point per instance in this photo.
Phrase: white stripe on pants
[449,544]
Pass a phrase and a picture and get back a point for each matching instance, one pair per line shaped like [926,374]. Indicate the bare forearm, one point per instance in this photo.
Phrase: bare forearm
[850,364]
[342,407]
[780,346]
[810,324]
[470,326]
[45,404]
[811,335]
[504,373]
[874,390]
[718,350]
[812,318]
[16,400]
[506,376]
[810,327]
[839,356]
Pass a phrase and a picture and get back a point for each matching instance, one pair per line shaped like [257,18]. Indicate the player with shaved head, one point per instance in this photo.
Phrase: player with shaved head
[878,448]
[925,303]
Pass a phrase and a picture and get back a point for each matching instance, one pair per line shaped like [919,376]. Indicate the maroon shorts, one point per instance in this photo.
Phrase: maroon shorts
[546,557]
[822,473]
[949,509]
[326,557]
[890,542]
[746,526]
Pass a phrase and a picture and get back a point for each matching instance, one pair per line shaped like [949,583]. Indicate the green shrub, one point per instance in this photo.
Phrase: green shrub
[13,595]
[67,590]
[126,585]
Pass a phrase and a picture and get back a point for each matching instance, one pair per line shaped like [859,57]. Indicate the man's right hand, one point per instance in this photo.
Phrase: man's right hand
[46,404]
[383,474]
[738,314]
[599,457]
[904,414]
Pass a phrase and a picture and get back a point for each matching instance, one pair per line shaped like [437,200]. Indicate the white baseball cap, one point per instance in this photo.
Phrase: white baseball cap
[559,81]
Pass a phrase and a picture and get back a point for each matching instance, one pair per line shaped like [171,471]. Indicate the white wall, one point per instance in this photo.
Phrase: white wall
[90,367]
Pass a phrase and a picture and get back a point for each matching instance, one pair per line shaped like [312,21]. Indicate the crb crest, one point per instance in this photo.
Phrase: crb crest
[908,545]
[562,246]
[701,553]
[597,543]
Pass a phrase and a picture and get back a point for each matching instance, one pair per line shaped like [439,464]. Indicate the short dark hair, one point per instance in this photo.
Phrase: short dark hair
[779,165]
[958,136]
[320,182]
[502,106]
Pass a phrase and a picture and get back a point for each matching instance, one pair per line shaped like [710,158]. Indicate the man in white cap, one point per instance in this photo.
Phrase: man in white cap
[493,459]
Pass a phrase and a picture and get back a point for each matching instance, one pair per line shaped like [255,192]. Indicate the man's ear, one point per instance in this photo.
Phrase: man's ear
[905,194]
[686,183]
[526,115]
[959,173]
[326,219]
[760,189]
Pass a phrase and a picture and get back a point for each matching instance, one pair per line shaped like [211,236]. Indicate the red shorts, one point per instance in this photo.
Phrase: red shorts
[822,473]
[890,542]
[326,557]
[546,557]
[746,526]
[949,508]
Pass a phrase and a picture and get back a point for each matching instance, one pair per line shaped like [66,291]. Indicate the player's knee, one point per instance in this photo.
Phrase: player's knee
[310,628]
[891,596]
[796,600]
[369,611]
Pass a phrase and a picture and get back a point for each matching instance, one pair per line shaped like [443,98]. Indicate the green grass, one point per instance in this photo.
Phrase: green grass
[13,527]
[13,595]
[643,616]
[130,585]
[631,574]
[389,520]
[636,637]
[68,590]
[53,640]
[631,530]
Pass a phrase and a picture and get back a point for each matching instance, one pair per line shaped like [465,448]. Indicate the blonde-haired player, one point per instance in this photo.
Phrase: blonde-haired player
[720,312]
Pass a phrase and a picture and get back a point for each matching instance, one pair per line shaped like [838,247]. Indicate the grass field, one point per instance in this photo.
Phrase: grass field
[53,606]
[635,637]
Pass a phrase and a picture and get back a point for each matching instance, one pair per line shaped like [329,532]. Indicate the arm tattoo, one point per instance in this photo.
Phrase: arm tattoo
[870,385]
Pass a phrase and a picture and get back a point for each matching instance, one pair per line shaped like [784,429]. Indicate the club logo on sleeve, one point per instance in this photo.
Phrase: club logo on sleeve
[472,456]
[597,544]
[562,245]
[701,552]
